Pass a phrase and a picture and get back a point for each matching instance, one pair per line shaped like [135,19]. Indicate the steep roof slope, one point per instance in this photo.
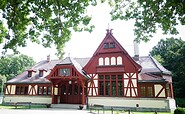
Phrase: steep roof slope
[35,78]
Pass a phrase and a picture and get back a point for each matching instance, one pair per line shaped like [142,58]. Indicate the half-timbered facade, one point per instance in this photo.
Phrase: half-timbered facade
[111,77]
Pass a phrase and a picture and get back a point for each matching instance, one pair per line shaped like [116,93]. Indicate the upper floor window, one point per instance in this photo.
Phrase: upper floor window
[109,45]
[41,73]
[29,73]
[112,45]
[119,60]
[64,72]
[106,45]
[107,61]
[113,61]
[100,61]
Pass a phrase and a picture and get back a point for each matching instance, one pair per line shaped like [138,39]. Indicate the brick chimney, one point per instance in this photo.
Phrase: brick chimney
[136,50]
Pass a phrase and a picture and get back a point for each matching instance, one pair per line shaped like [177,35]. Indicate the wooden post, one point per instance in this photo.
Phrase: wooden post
[83,96]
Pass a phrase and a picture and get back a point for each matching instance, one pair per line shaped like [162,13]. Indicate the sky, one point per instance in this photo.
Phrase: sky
[84,44]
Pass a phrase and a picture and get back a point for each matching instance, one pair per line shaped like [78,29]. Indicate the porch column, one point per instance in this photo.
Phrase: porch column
[83,93]
[171,89]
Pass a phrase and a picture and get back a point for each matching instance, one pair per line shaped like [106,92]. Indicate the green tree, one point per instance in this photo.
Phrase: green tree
[12,65]
[51,21]
[42,21]
[171,53]
[149,15]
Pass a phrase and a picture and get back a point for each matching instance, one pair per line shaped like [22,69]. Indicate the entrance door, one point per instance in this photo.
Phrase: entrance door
[71,93]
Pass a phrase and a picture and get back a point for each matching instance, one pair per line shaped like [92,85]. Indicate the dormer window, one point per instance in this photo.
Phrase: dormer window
[29,73]
[41,73]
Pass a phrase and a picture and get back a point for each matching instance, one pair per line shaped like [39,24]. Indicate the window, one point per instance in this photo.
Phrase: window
[29,73]
[107,88]
[21,90]
[113,61]
[100,61]
[119,88]
[101,86]
[143,91]
[107,61]
[65,72]
[112,45]
[146,91]
[41,73]
[150,92]
[119,60]
[110,85]
[44,90]
[106,45]
[114,88]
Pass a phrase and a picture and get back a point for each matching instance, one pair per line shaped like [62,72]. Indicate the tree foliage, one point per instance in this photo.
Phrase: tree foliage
[42,21]
[171,53]
[51,21]
[12,65]
[149,15]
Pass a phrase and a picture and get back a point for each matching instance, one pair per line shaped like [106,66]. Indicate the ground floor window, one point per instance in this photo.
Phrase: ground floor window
[44,90]
[21,90]
[146,91]
[110,85]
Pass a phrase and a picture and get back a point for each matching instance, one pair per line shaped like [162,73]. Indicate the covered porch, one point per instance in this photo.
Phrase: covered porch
[69,90]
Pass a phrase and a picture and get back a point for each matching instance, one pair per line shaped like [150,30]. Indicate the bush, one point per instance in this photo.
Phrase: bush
[179,111]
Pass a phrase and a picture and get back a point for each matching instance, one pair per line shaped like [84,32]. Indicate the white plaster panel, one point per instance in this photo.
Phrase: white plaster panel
[13,89]
[157,88]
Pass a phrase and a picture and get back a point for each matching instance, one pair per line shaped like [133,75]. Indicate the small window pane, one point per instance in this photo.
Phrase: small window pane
[119,60]
[65,72]
[100,61]
[150,92]
[107,61]
[106,45]
[112,45]
[49,90]
[113,61]
[143,91]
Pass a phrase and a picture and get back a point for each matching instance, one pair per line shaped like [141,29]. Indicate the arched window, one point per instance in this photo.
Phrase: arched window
[100,61]
[107,61]
[119,60]
[113,61]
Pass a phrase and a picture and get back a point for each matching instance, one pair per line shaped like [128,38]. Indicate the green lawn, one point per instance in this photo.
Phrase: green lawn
[122,112]
[20,107]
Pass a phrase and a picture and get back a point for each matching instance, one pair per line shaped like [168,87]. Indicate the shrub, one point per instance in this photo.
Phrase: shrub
[179,111]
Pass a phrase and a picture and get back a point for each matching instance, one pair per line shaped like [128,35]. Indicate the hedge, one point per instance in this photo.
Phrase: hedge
[179,111]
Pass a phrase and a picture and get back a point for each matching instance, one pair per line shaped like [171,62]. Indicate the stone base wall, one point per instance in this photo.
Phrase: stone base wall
[27,98]
[145,104]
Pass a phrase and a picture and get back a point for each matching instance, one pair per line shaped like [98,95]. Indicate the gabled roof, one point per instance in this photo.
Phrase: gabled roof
[78,66]
[35,78]
[110,38]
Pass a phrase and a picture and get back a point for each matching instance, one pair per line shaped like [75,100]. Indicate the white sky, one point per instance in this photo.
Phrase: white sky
[84,44]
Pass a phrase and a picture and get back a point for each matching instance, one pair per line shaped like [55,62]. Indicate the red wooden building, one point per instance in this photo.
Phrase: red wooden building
[111,77]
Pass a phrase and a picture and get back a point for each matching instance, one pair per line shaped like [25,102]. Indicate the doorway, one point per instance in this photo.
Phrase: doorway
[70,93]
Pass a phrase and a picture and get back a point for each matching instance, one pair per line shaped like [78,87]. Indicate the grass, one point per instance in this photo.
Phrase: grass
[20,107]
[123,112]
